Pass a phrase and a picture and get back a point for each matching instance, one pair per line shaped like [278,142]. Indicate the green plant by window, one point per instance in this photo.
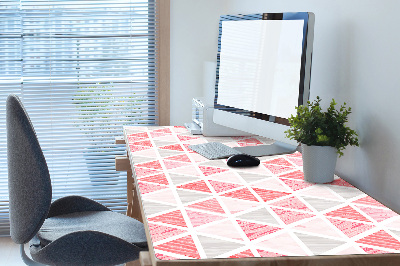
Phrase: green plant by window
[312,126]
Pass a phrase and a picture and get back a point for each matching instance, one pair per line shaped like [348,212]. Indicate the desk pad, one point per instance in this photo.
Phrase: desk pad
[197,208]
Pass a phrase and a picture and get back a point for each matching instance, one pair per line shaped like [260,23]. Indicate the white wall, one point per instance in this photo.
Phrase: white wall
[356,59]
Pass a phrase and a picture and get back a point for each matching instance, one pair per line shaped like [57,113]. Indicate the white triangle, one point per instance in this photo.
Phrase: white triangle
[261,215]
[237,205]
[180,179]
[188,170]
[249,177]
[214,247]
[223,229]
[145,153]
[197,157]
[319,245]
[163,196]
[283,244]
[348,251]
[346,192]
[394,224]
[321,204]
[169,138]
[318,226]
[321,192]
[270,184]
[215,163]
[226,177]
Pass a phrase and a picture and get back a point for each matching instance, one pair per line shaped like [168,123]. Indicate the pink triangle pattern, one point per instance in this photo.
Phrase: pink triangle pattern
[289,216]
[198,186]
[161,232]
[268,195]
[137,136]
[369,250]
[243,194]
[369,201]
[295,158]
[201,218]
[160,132]
[141,172]
[341,182]
[172,218]
[255,230]
[296,184]
[164,257]
[135,148]
[158,179]
[148,187]
[174,164]
[222,186]
[292,203]
[152,165]
[146,143]
[378,215]
[211,205]
[278,161]
[208,170]
[350,228]
[294,175]
[348,212]
[243,254]
[181,158]
[277,169]
[174,147]
[249,142]
[380,239]
[186,138]
[183,246]
[264,253]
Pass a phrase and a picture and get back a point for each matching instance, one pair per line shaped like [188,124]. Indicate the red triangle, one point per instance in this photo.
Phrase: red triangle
[160,132]
[186,138]
[340,182]
[296,184]
[277,169]
[222,186]
[292,203]
[348,212]
[200,218]
[211,205]
[173,218]
[158,179]
[208,170]
[369,201]
[148,187]
[135,148]
[181,158]
[268,195]
[164,257]
[289,216]
[161,232]
[373,251]
[350,228]
[198,186]
[264,253]
[152,165]
[249,142]
[146,143]
[278,161]
[294,175]
[183,246]
[137,136]
[255,230]
[244,194]
[174,147]
[380,239]
[243,254]
[140,172]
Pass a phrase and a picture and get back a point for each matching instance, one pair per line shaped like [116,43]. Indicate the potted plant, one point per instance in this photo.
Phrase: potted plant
[323,135]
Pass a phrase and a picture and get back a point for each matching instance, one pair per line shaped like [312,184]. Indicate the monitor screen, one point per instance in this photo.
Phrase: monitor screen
[263,71]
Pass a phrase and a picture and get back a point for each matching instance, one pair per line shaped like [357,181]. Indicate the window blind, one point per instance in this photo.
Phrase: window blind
[83,69]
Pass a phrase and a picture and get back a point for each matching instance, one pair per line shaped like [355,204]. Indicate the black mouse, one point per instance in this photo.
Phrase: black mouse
[239,160]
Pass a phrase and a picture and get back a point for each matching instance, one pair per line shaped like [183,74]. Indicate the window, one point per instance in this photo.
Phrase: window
[83,69]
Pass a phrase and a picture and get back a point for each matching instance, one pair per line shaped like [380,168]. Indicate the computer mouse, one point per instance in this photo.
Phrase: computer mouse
[240,160]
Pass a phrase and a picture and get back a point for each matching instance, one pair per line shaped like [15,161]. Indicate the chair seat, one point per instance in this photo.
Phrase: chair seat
[108,222]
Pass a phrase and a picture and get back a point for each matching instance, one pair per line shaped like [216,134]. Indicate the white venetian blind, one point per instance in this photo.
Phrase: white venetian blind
[83,69]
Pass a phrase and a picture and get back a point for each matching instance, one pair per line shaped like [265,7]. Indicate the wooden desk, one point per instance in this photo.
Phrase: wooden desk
[204,212]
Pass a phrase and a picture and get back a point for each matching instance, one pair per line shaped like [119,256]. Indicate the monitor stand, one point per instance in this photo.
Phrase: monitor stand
[265,150]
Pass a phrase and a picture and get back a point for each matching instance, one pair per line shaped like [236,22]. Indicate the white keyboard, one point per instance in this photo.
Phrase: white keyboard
[214,150]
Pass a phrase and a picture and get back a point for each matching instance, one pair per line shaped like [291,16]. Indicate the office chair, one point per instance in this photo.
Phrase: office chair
[70,231]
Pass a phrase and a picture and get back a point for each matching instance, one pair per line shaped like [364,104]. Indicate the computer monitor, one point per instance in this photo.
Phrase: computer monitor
[263,73]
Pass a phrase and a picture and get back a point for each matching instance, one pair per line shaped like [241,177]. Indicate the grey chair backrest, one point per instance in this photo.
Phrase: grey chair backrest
[29,183]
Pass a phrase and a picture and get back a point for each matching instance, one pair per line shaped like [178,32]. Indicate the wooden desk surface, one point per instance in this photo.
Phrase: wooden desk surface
[199,209]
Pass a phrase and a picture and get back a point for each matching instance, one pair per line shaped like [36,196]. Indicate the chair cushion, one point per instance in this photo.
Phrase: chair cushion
[107,222]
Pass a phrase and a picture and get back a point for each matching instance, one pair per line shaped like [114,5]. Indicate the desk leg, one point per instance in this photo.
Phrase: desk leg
[132,197]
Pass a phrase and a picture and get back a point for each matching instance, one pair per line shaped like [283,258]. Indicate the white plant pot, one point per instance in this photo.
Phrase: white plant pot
[319,163]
